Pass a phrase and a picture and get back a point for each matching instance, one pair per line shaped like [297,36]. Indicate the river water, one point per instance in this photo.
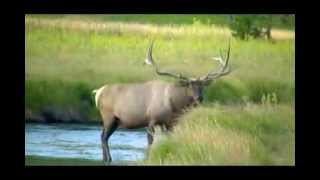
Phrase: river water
[83,141]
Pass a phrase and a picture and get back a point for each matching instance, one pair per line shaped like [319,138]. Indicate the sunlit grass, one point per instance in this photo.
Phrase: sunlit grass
[230,135]
[66,58]
[196,29]
[94,55]
[65,45]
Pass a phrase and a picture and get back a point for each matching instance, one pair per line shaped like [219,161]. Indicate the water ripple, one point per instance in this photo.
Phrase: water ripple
[82,141]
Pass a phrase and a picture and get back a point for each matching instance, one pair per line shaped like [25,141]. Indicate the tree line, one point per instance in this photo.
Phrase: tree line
[257,26]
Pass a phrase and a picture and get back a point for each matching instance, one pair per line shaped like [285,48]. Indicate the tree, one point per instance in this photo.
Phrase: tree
[256,26]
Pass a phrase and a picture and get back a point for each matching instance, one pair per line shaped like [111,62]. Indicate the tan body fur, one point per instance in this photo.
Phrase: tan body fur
[151,103]
[140,105]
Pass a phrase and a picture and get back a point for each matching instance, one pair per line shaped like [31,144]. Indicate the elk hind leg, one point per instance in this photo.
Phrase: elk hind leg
[108,129]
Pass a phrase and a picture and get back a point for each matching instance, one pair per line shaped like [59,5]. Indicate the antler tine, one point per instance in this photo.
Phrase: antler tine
[149,60]
[224,70]
[227,60]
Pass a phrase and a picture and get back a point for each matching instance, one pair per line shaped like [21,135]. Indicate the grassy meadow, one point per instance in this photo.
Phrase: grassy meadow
[247,117]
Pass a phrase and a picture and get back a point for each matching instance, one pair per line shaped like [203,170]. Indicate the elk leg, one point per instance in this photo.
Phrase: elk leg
[150,132]
[104,145]
[106,133]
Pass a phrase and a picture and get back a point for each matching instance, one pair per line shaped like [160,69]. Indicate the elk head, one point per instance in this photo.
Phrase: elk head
[194,85]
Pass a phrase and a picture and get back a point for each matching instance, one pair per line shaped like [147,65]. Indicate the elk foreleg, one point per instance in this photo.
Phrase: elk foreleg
[150,134]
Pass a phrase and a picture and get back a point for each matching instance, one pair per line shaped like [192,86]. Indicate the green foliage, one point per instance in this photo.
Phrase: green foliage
[278,21]
[64,65]
[223,92]
[230,135]
[56,93]
[256,26]
[252,121]
[282,91]
[269,99]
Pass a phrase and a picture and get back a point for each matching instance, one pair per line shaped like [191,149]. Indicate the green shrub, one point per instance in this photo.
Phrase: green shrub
[256,26]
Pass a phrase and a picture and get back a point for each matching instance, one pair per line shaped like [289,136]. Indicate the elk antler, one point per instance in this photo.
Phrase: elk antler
[223,70]
[149,61]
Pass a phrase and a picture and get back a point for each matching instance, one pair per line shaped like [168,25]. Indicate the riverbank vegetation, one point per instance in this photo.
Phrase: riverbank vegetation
[230,135]
[247,117]
[50,161]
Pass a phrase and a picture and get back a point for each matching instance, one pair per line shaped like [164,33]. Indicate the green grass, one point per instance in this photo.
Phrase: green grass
[172,19]
[63,65]
[31,160]
[247,116]
[230,135]
[41,94]
[49,161]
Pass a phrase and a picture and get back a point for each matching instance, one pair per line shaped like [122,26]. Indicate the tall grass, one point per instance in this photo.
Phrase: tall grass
[230,135]
[56,52]
[247,116]
[172,19]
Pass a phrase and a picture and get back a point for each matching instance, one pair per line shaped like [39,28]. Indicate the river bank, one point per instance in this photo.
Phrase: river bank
[247,117]
[82,141]
[50,161]
[57,115]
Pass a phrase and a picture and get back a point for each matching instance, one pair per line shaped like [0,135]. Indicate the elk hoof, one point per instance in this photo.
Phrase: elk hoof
[107,161]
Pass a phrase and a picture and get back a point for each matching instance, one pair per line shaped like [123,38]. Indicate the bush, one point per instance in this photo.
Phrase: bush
[256,26]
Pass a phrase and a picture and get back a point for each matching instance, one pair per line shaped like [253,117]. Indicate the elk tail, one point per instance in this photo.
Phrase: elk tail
[97,93]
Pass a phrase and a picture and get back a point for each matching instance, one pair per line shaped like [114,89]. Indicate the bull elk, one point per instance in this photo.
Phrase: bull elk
[152,103]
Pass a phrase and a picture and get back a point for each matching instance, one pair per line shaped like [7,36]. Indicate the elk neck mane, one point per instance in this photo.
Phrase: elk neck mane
[178,96]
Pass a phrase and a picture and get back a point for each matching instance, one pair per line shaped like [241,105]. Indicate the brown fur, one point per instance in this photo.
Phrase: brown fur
[149,104]
[141,105]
